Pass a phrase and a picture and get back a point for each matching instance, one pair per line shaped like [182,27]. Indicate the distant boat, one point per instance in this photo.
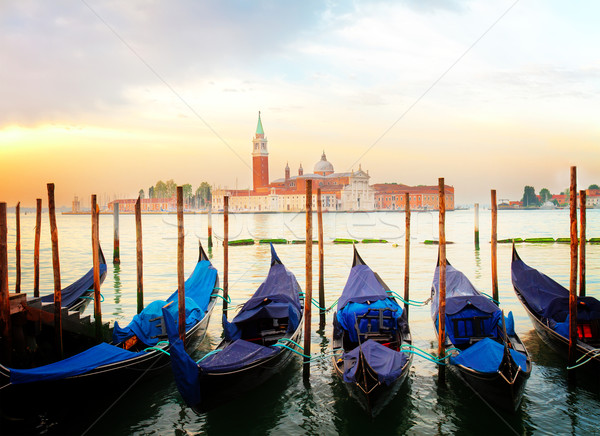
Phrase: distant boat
[548,205]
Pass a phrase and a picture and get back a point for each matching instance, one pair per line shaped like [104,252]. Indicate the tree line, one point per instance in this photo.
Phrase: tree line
[199,198]
[530,198]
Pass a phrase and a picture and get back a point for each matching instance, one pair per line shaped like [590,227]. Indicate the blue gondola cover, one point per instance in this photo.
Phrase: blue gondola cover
[549,299]
[486,356]
[185,370]
[238,354]
[277,297]
[74,291]
[386,362]
[198,289]
[102,354]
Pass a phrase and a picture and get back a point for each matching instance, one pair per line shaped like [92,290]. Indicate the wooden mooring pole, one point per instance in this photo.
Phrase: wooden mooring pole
[573,275]
[210,242]
[225,253]
[308,285]
[321,261]
[406,251]
[582,242]
[139,256]
[442,281]
[116,249]
[180,263]
[5,327]
[36,248]
[96,261]
[494,241]
[476,226]
[18,249]
[56,269]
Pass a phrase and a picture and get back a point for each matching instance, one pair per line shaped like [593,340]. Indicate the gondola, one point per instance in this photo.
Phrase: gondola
[78,294]
[258,343]
[369,330]
[488,355]
[107,369]
[547,304]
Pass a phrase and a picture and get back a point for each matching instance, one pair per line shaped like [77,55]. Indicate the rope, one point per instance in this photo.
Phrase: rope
[208,354]
[410,302]
[228,299]
[85,297]
[316,304]
[491,298]
[591,353]
[157,349]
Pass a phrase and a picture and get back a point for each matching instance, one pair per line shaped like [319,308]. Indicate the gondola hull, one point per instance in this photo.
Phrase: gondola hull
[376,396]
[492,387]
[219,387]
[559,343]
[106,383]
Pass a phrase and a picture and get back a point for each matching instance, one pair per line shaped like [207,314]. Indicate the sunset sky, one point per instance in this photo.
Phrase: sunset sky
[107,97]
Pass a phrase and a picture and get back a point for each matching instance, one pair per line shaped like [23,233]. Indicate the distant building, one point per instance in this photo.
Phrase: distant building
[76,208]
[346,191]
[146,205]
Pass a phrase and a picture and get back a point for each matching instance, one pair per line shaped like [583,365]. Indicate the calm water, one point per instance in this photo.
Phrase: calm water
[288,405]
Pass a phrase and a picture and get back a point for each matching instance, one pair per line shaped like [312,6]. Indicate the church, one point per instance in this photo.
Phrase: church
[345,191]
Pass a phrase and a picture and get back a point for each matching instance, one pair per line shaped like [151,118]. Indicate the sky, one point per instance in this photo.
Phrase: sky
[108,97]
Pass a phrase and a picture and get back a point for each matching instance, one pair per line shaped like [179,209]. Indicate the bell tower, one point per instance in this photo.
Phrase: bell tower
[260,158]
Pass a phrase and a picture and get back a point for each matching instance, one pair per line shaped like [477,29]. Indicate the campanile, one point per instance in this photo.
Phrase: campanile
[260,158]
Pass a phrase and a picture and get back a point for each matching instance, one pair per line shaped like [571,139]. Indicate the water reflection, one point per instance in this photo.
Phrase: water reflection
[118,310]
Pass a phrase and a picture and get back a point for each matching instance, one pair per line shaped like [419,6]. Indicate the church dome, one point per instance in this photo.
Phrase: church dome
[323,167]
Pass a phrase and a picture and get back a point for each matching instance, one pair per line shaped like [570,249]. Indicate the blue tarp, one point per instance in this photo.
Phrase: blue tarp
[236,355]
[348,315]
[276,297]
[386,362]
[102,354]
[486,356]
[362,286]
[549,299]
[185,370]
[198,289]
[75,290]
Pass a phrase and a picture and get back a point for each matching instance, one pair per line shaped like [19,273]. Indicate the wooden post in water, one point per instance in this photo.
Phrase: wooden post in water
[442,281]
[495,295]
[116,250]
[225,253]
[5,327]
[582,242]
[476,226]
[321,261]
[18,249]
[36,248]
[210,243]
[139,256]
[96,261]
[573,275]
[406,251]
[308,285]
[180,272]
[56,269]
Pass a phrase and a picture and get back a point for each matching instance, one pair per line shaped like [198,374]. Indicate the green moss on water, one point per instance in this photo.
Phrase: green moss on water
[563,240]
[374,241]
[273,241]
[344,241]
[241,242]
[432,242]
[302,241]
[510,240]
[539,240]
[594,240]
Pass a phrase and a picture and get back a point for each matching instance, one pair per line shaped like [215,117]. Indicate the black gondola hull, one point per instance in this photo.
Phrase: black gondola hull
[219,387]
